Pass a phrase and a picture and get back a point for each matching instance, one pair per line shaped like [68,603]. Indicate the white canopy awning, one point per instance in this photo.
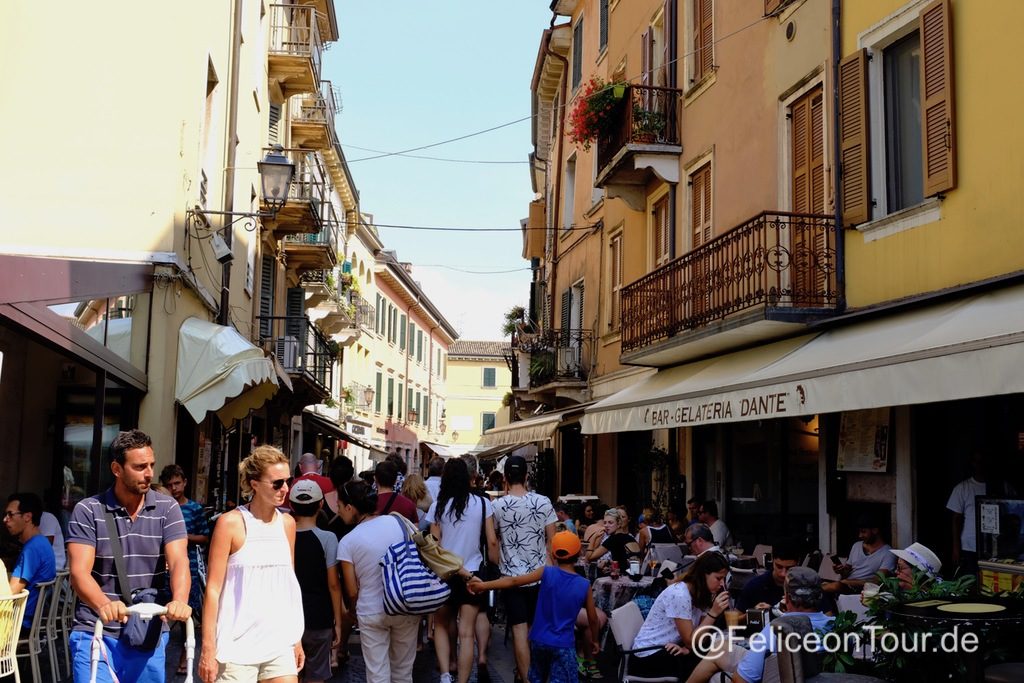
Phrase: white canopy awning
[219,370]
[536,428]
[970,347]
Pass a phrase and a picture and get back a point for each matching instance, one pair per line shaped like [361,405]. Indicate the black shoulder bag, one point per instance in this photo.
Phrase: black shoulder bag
[488,570]
[142,635]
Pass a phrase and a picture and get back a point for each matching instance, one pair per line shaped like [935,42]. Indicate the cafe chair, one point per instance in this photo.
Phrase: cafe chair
[625,623]
[65,621]
[665,551]
[798,666]
[52,622]
[12,611]
[759,550]
[31,646]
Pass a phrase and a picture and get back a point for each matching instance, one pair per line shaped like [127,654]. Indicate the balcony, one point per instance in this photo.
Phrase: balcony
[643,141]
[764,279]
[295,51]
[552,364]
[319,286]
[307,196]
[364,312]
[312,122]
[304,352]
[318,250]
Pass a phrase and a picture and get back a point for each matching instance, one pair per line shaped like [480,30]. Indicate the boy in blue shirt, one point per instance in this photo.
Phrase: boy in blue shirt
[562,593]
[37,563]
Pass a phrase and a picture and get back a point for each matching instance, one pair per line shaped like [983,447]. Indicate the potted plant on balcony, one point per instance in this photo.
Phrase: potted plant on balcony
[648,125]
[594,111]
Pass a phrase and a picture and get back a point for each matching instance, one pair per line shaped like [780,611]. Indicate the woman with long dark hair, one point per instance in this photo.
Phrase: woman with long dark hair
[388,642]
[457,519]
[697,600]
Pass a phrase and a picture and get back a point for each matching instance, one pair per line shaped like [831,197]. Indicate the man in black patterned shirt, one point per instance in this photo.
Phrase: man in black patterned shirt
[525,522]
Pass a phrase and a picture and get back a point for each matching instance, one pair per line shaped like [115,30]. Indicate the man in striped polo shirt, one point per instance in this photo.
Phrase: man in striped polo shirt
[152,533]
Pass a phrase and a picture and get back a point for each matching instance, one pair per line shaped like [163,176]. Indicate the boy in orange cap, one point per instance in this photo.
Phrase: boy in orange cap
[562,593]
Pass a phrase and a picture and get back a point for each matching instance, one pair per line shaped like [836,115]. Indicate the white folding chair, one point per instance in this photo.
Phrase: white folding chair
[625,623]
[12,611]
[33,642]
[65,620]
[57,596]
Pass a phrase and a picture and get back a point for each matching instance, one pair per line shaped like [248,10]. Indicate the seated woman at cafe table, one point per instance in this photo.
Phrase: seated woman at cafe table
[696,601]
[620,545]
[803,595]
[916,561]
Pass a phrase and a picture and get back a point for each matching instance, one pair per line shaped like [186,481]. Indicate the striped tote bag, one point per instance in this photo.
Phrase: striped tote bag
[410,587]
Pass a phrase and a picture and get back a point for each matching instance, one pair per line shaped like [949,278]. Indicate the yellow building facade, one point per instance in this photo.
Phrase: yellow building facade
[478,381]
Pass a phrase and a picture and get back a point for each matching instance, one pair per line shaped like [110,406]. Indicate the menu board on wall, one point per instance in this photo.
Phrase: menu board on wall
[864,441]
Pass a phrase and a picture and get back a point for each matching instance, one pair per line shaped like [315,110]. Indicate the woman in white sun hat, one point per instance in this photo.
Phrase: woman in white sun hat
[916,559]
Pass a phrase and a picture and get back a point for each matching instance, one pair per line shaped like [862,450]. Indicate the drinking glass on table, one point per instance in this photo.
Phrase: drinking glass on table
[652,565]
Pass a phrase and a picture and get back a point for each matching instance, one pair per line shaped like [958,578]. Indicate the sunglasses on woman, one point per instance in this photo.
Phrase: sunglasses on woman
[276,484]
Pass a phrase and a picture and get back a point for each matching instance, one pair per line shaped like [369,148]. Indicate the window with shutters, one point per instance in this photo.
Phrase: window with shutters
[274,134]
[661,231]
[602,41]
[419,346]
[378,394]
[487,421]
[807,158]
[268,271]
[401,332]
[490,378]
[391,396]
[412,338]
[615,282]
[702,33]
[896,118]
[569,193]
[401,396]
[700,206]
[577,54]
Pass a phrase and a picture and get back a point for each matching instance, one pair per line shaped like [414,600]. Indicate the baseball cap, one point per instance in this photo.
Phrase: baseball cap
[803,581]
[565,544]
[305,491]
[920,556]
[515,463]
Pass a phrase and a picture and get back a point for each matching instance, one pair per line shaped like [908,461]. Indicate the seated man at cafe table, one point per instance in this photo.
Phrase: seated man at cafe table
[803,595]
[700,539]
[765,590]
[869,556]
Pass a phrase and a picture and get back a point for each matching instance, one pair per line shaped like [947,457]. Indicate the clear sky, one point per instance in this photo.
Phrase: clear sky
[416,72]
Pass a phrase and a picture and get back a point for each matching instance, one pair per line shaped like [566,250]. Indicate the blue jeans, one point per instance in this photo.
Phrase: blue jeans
[130,665]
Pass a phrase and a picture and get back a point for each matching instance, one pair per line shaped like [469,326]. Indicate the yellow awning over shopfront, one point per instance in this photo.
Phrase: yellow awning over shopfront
[536,428]
[964,348]
[219,370]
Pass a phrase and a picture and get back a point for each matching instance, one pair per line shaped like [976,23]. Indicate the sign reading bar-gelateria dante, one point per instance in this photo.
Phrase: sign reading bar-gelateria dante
[864,441]
[724,409]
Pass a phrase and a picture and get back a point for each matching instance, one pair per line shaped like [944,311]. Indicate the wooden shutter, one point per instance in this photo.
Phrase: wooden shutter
[615,265]
[700,204]
[938,140]
[267,270]
[703,38]
[577,54]
[661,234]
[671,42]
[401,332]
[799,114]
[854,160]
[295,309]
[566,309]
[808,154]
[603,34]
[579,315]
[391,396]
[377,397]
[274,114]
[646,57]
[401,399]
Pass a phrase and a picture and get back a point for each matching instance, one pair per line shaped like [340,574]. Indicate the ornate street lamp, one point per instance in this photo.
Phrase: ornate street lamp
[368,394]
[276,173]
[413,415]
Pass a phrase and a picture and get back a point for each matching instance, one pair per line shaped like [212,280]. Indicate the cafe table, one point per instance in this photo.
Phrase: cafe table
[610,594]
[967,615]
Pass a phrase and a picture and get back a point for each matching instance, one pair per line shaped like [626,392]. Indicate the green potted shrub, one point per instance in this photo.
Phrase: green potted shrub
[648,125]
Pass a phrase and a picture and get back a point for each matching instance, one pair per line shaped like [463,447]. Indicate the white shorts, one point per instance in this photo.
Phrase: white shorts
[281,665]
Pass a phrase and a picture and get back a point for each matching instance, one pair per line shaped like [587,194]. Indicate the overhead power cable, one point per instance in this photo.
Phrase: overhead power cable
[420,156]
[443,142]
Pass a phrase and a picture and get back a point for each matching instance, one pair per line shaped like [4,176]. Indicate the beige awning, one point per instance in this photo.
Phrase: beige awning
[219,370]
[536,428]
[964,348]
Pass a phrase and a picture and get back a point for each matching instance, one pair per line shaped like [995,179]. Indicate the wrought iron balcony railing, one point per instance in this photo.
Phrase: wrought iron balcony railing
[318,276]
[328,235]
[775,259]
[557,355]
[364,311]
[320,107]
[294,32]
[299,346]
[645,115]
[311,182]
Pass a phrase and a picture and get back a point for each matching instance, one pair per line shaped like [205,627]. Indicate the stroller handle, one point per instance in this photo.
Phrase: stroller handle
[146,611]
